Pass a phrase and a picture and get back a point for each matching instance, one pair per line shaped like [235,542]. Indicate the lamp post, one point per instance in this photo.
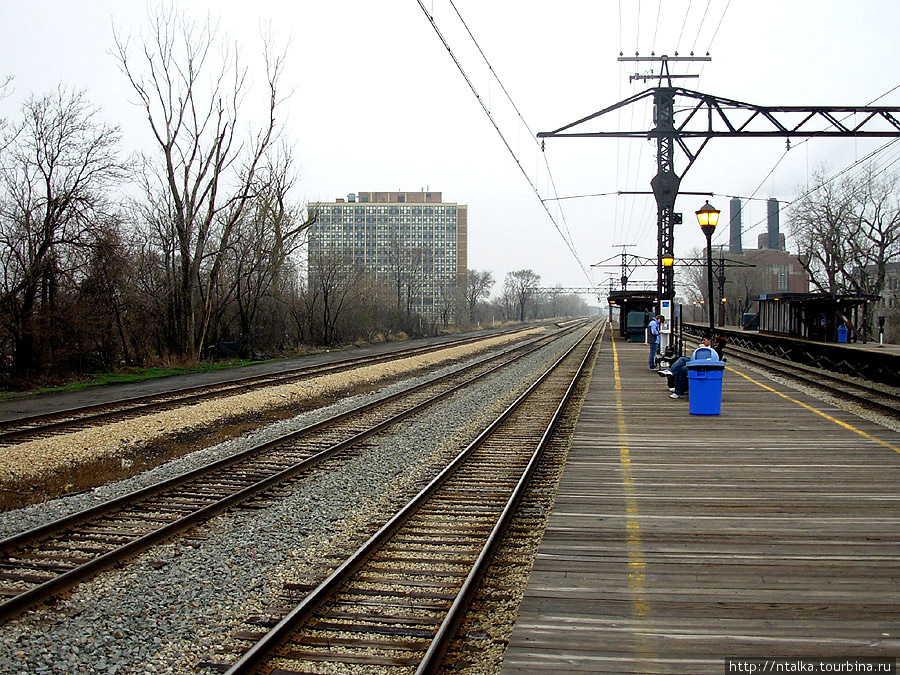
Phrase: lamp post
[708,217]
[673,339]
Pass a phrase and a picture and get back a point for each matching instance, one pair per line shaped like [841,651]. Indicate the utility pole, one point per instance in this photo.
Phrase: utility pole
[625,267]
[720,277]
[702,117]
[666,182]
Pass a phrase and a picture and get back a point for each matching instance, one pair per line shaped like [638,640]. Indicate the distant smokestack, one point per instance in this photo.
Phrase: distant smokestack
[735,246]
[774,239]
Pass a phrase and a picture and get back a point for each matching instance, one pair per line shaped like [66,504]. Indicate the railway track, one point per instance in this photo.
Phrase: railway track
[22,429]
[46,560]
[398,600]
[868,395]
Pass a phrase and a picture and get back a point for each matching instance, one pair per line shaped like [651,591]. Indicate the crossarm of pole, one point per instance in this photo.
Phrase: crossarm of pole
[615,106]
[717,109]
[636,261]
[701,262]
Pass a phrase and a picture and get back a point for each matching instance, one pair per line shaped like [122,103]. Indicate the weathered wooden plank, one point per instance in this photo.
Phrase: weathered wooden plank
[677,541]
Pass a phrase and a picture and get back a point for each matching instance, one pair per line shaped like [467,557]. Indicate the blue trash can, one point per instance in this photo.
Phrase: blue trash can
[842,333]
[705,382]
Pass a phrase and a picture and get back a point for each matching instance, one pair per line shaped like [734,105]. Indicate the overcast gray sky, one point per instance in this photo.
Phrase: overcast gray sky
[379,104]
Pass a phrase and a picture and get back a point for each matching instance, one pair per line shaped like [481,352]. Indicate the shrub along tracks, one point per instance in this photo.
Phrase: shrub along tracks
[29,427]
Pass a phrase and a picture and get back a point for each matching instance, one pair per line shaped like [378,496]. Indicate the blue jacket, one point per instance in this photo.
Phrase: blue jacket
[654,331]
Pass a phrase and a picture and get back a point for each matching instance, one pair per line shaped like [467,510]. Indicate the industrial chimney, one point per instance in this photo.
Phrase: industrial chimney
[774,234]
[735,245]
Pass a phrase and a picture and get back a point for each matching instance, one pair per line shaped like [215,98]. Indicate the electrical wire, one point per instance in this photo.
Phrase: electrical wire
[637,39]
[620,26]
[552,183]
[700,28]
[785,205]
[721,19]
[806,140]
[656,28]
[487,112]
[686,14]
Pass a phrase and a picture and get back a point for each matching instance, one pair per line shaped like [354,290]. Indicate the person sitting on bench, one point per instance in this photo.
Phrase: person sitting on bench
[677,372]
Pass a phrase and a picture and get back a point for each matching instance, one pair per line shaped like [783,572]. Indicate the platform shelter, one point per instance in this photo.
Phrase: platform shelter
[634,310]
[812,316]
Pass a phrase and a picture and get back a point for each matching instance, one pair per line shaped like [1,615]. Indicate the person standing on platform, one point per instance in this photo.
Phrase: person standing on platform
[655,326]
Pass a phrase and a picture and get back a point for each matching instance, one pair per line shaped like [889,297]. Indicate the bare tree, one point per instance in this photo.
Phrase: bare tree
[58,166]
[522,286]
[878,212]
[746,284]
[406,264]
[848,231]
[333,285]
[105,304]
[478,287]
[692,277]
[266,235]
[204,171]
[825,228]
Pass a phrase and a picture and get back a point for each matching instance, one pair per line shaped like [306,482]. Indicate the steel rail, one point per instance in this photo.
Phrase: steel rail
[438,647]
[869,364]
[32,537]
[869,397]
[262,650]
[835,384]
[136,405]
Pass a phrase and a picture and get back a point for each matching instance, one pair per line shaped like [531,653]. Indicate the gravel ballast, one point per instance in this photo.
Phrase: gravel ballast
[177,603]
[24,463]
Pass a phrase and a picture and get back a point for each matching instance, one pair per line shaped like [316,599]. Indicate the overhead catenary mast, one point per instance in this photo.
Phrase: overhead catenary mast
[666,182]
[705,116]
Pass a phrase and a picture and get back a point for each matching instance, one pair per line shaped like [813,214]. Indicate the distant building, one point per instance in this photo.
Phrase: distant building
[777,271]
[763,241]
[890,295]
[767,272]
[409,239]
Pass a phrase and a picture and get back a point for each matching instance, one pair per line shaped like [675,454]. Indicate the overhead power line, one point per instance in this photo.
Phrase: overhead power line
[721,235]
[681,34]
[724,12]
[786,204]
[566,236]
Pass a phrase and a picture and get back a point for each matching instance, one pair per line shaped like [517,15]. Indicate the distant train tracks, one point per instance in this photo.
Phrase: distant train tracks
[398,600]
[868,395]
[46,560]
[23,429]
[874,365]
[881,398]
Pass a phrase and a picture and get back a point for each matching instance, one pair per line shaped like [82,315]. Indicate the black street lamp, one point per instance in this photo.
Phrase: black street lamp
[708,217]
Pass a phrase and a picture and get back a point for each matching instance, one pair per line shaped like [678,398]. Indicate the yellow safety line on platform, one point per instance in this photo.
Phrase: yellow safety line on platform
[636,564]
[828,417]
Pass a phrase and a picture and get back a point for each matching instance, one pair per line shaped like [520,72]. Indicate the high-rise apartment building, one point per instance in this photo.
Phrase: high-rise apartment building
[412,242]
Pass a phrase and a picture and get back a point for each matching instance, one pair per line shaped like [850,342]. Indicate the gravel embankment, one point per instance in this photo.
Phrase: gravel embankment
[24,463]
[176,604]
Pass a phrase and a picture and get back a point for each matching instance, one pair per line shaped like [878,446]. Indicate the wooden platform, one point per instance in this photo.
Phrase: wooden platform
[678,541]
